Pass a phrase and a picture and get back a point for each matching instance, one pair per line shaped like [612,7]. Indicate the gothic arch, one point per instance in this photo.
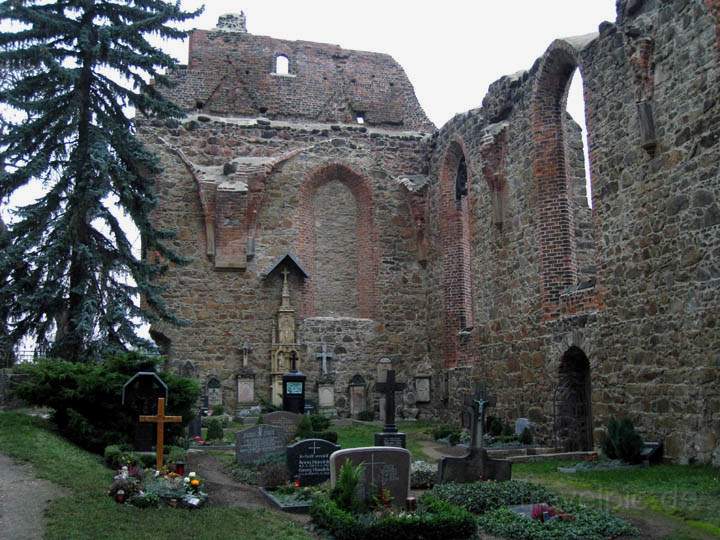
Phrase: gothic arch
[366,264]
[554,205]
[455,236]
[573,402]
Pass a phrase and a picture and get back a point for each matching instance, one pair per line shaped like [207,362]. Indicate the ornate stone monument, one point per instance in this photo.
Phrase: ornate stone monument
[284,344]
[326,384]
[245,397]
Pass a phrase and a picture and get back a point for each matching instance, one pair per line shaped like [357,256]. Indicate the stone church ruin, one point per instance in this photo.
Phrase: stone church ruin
[327,218]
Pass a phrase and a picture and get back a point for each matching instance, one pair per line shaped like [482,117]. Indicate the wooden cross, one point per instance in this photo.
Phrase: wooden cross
[160,419]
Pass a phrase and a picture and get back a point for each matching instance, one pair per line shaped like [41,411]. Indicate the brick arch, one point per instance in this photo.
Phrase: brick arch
[555,220]
[456,239]
[367,258]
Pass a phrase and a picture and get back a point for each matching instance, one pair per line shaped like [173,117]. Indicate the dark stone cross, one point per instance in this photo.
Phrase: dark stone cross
[474,414]
[389,387]
[293,361]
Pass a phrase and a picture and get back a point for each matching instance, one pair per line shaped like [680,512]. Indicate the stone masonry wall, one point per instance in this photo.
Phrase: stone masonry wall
[649,324]
[226,308]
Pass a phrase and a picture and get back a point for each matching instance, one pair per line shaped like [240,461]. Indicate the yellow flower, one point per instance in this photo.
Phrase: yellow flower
[194,482]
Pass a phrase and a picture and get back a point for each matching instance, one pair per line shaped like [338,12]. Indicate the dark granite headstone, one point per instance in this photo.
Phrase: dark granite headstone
[383,468]
[288,421]
[258,442]
[140,397]
[195,425]
[309,461]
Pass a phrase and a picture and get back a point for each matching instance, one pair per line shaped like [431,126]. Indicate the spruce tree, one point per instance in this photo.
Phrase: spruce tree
[78,67]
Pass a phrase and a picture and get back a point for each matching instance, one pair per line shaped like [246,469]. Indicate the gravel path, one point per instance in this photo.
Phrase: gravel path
[23,501]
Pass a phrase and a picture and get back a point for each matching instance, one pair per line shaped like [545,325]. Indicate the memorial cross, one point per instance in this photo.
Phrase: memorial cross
[479,404]
[246,350]
[389,387]
[160,419]
[324,356]
[293,361]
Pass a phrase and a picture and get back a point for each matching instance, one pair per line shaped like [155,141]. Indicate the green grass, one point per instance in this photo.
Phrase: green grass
[687,492]
[357,435]
[89,513]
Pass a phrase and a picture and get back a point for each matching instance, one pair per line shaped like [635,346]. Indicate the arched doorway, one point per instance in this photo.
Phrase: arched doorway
[573,402]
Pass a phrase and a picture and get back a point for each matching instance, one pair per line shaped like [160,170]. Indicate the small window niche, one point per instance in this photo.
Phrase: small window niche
[282,65]
[360,118]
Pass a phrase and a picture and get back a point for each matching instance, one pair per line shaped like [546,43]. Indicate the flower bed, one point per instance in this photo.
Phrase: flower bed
[290,498]
[481,497]
[148,488]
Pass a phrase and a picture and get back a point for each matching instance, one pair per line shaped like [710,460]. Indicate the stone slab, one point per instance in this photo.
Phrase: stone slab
[473,467]
[384,467]
[397,440]
[259,442]
[287,421]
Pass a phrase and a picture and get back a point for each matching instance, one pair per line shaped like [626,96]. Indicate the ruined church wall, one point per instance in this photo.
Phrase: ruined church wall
[225,308]
[649,325]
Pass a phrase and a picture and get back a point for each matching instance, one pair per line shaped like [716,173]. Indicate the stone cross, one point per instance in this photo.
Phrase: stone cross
[389,387]
[479,404]
[246,350]
[323,357]
[160,419]
[293,361]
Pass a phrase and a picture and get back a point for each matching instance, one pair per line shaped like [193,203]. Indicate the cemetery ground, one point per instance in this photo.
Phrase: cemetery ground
[665,501]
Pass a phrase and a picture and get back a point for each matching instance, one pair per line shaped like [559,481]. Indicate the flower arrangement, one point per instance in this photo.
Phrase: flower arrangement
[156,486]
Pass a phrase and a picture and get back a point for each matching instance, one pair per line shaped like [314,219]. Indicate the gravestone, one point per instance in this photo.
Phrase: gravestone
[422,389]
[521,424]
[195,425]
[258,442]
[390,435]
[214,392]
[383,468]
[309,461]
[140,397]
[285,420]
[476,465]
[358,395]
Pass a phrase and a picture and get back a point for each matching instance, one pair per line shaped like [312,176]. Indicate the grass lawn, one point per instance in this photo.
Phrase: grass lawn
[357,435]
[89,513]
[688,492]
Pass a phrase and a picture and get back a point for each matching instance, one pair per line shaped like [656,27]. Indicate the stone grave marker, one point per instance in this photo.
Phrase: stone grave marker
[521,424]
[258,442]
[214,392]
[383,468]
[476,465]
[390,435]
[358,395]
[422,388]
[309,461]
[140,397]
[287,421]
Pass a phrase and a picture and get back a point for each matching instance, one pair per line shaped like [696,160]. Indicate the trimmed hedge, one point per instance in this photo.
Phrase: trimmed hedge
[434,520]
[481,497]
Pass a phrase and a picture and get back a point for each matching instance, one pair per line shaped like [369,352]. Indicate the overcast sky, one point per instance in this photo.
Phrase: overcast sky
[451,50]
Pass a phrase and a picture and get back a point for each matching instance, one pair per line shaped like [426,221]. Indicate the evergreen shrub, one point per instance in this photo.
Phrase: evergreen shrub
[86,397]
[622,441]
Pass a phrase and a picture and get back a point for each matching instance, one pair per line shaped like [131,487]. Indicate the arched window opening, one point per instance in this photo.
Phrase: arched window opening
[282,65]
[461,181]
[566,223]
[579,181]
[457,254]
